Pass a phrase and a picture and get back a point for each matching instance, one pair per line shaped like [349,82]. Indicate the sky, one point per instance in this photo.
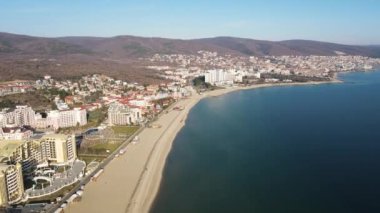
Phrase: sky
[340,21]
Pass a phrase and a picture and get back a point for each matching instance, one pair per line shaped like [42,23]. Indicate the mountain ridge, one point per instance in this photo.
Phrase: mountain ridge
[126,46]
[119,55]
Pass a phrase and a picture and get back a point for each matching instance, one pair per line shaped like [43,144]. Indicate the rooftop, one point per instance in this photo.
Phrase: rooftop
[59,137]
[8,147]
[4,167]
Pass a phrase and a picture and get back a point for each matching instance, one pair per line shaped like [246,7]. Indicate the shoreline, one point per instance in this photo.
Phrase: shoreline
[147,199]
[131,182]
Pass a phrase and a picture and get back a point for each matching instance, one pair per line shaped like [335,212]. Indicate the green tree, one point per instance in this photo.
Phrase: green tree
[6,103]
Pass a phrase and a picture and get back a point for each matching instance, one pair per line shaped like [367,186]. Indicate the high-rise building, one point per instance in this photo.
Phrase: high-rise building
[22,115]
[11,184]
[19,151]
[55,148]
[3,119]
[25,115]
[58,148]
[121,114]
[19,157]
[216,77]
[62,119]
[11,151]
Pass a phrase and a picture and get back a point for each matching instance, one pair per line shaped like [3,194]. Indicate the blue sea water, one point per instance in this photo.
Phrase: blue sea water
[282,149]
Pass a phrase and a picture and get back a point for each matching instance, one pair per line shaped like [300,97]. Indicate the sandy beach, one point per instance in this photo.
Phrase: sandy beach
[131,181]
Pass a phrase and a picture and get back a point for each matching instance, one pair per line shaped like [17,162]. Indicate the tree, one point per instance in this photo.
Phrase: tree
[7,103]
[145,86]
[199,81]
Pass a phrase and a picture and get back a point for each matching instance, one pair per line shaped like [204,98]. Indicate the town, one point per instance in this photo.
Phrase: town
[55,133]
[236,69]
[73,126]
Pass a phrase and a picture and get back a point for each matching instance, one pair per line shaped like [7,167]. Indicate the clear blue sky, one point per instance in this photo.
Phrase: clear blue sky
[342,21]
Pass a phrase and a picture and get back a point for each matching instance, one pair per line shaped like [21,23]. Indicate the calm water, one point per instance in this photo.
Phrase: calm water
[285,149]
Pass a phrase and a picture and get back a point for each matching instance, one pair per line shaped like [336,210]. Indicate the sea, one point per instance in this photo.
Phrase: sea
[313,148]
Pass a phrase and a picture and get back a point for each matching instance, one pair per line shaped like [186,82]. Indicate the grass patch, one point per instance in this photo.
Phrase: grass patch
[99,149]
[97,115]
[129,130]
[106,146]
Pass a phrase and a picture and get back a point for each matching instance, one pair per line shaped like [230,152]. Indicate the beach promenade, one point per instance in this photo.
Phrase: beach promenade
[135,175]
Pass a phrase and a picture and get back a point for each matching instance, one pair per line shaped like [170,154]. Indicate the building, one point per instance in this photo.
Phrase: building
[3,118]
[61,105]
[57,148]
[11,184]
[213,76]
[20,157]
[15,133]
[43,122]
[17,151]
[5,90]
[11,151]
[26,116]
[15,87]
[70,118]
[62,119]
[11,179]
[121,114]
[22,115]
[54,148]
[218,77]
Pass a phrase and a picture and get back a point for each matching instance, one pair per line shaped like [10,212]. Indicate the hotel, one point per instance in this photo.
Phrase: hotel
[11,179]
[24,115]
[57,148]
[11,184]
[120,114]
[20,157]
[62,119]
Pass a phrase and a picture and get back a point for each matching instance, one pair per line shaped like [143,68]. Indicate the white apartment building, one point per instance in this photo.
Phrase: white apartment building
[15,133]
[120,114]
[43,123]
[22,115]
[69,118]
[62,119]
[3,119]
[218,77]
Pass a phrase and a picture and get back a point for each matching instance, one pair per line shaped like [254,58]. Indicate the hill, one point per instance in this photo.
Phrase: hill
[29,57]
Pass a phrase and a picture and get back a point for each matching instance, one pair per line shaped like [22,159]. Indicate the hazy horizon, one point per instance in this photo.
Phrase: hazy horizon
[222,36]
[348,22]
